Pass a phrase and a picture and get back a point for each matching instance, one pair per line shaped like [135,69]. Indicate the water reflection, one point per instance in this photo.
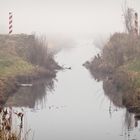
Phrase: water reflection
[32,96]
[78,109]
[128,100]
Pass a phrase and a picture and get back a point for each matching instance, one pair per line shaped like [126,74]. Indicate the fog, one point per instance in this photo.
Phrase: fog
[64,16]
[78,107]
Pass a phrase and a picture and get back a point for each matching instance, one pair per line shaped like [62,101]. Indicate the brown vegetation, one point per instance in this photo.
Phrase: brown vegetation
[23,58]
[6,119]
[118,66]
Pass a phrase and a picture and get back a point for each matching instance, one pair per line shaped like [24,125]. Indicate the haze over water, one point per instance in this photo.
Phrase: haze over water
[76,108]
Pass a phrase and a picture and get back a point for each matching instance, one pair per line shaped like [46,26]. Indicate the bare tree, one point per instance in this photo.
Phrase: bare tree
[128,18]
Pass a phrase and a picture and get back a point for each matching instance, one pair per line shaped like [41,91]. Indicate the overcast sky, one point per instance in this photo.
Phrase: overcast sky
[64,16]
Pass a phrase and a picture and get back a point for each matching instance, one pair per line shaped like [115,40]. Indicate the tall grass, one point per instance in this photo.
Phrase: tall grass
[31,48]
[6,127]
[35,50]
[38,51]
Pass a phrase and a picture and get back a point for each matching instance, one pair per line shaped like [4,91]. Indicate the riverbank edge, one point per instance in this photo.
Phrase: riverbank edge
[123,78]
[9,85]
[18,70]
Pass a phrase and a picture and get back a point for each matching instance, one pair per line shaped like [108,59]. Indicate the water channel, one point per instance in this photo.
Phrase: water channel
[75,106]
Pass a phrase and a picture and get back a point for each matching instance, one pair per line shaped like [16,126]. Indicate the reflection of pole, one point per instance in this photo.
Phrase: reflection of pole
[10,22]
[136,23]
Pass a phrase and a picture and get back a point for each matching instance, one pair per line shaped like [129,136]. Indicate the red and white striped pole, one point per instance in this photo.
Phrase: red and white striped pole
[10,23]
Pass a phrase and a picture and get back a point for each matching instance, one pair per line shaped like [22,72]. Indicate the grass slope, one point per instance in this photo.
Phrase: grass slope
[23,57]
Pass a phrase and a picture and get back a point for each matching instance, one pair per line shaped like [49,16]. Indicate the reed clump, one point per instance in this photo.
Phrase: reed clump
[6,122]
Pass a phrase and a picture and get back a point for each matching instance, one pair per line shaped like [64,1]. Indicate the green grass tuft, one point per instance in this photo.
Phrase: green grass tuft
[14,66]
[133,66]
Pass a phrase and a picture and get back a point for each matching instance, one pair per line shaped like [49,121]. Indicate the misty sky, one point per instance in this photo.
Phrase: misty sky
[64,16]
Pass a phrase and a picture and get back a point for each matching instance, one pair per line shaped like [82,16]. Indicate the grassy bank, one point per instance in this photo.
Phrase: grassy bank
[120,53]
[23,58]
[118,66]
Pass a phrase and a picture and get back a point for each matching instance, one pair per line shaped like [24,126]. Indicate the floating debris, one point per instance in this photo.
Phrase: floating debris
[25,85]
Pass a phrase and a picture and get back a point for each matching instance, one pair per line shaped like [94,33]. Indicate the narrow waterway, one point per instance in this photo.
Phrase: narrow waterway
[77,108]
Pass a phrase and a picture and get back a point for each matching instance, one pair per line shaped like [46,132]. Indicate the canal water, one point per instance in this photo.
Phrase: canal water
[75,107]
